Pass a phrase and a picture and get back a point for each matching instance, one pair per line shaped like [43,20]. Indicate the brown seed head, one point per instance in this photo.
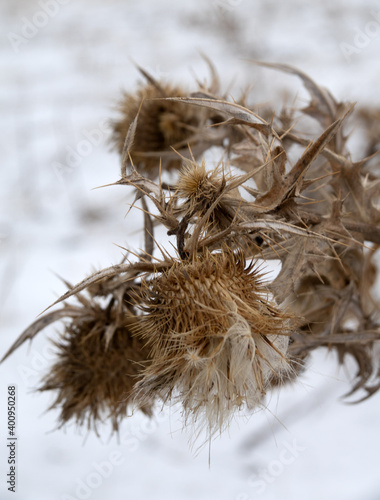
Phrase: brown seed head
[161,125]
[94,381]
[215,336]
[202,190]
[199,186]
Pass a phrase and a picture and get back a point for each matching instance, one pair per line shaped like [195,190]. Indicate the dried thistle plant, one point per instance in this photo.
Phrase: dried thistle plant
[163,126]
[94,380]
[203,328]
[99,357]
[215,336]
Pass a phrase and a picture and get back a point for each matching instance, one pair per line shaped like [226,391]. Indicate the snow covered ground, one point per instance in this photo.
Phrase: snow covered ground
[63,66]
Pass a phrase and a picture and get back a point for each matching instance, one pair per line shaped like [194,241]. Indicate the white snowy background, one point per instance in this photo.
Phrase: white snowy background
[59,84]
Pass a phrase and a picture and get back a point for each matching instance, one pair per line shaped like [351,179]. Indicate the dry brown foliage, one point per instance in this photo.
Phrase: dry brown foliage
[205,328]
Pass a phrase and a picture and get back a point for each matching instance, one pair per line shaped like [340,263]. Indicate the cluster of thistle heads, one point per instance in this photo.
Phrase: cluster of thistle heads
[200,324]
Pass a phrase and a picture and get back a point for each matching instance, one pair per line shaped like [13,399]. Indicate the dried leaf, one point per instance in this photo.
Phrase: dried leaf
[237,113]
[39,325]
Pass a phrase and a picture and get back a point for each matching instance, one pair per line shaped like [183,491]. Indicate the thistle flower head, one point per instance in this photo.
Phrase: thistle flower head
[94,376]
[199,186]
[162,125]
[215,336]
[204,192]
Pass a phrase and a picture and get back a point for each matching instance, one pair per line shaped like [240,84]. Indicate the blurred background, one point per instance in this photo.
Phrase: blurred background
[64,65]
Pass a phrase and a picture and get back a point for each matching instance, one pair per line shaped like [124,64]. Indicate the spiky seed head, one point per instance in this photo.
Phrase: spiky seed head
[200,189]
[202,192]
[95,376]
[199,186]
[215,336]
[161,125]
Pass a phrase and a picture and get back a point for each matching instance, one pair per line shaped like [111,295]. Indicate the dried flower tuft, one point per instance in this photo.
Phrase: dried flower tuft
[94,380]
[162,125]
[195,183]
[216,337]
[202,192]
